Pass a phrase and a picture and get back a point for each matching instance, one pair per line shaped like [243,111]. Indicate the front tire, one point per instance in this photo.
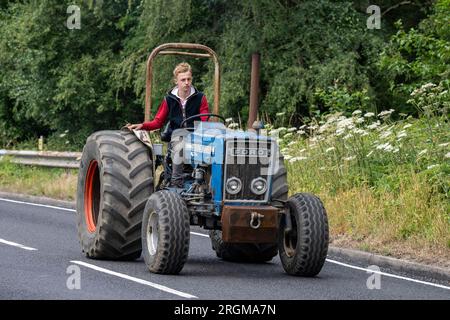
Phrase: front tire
[303,250]
[165,233]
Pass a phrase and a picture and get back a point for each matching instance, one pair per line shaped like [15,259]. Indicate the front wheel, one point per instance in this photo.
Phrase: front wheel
[303,248]
[165,233]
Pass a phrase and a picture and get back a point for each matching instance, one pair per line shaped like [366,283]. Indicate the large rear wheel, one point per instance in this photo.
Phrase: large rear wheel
[115,180]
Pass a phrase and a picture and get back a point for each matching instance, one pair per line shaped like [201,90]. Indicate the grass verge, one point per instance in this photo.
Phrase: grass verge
[38,181]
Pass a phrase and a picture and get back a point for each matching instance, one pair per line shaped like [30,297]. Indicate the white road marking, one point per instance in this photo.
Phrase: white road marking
[37,205]
[205,235]
[388,274]
[200,234]
[18,245]
[144,282]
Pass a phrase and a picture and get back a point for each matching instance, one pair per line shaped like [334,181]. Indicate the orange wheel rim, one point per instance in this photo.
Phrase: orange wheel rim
[92,196]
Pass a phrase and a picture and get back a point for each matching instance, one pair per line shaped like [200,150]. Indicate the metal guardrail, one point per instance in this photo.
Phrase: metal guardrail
[54,159]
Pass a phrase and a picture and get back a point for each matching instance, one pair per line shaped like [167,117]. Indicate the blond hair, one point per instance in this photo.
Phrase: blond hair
[181,68]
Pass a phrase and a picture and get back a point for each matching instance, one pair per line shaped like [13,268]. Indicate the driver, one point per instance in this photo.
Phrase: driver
[181,102]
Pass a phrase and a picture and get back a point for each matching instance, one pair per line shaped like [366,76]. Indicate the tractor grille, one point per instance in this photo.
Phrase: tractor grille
[247,160]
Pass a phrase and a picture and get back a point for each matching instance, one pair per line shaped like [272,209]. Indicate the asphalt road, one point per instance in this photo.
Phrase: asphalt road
[40,258]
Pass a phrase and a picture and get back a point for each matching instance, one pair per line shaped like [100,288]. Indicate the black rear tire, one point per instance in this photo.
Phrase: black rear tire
[115,180]
[303,250]
[165,233]
[250,252]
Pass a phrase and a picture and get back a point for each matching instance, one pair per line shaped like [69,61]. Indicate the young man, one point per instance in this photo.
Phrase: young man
[182,102]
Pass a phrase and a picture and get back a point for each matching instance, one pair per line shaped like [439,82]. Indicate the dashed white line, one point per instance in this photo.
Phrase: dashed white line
[37,205]
[18,245]
[388,274]
[144,282]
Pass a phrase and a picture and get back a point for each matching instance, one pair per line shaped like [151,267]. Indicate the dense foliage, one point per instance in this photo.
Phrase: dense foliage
[316,57]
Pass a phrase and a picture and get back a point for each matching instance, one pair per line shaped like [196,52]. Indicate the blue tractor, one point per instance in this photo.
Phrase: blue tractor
[235,186]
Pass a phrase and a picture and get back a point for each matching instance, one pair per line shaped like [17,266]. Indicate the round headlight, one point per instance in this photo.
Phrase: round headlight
[234,185]
[258,186]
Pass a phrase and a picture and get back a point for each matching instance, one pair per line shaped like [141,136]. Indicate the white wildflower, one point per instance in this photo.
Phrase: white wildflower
[432,166]
[359,131]
[303,127]
[345,123]
[385,146]
[330,149]
[323,128]
[62,135]
[396,150]
[359,120]
[447,155]
[340,132]
[292,129]
[284,150]
[291,143]
[406,126]
[402,134]
[356,112]
[303,150]
[443,92]
[385,134]
[428,86]
[348,136]
[295,159]
[444,144]
[388,148]
[66,131]
[422,152]
[369,115]
[385,113]
[349,158]
[287,135]
[67,141]
[332,118]
[228,120]
[301,132]
[287,157]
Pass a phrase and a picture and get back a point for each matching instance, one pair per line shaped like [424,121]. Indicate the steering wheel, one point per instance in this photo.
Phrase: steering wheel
[209,115]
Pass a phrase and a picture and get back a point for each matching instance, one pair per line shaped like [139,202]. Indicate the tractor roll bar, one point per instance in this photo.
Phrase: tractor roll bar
[162,50]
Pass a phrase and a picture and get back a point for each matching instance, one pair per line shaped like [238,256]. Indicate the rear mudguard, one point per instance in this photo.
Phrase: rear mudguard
[144,137]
